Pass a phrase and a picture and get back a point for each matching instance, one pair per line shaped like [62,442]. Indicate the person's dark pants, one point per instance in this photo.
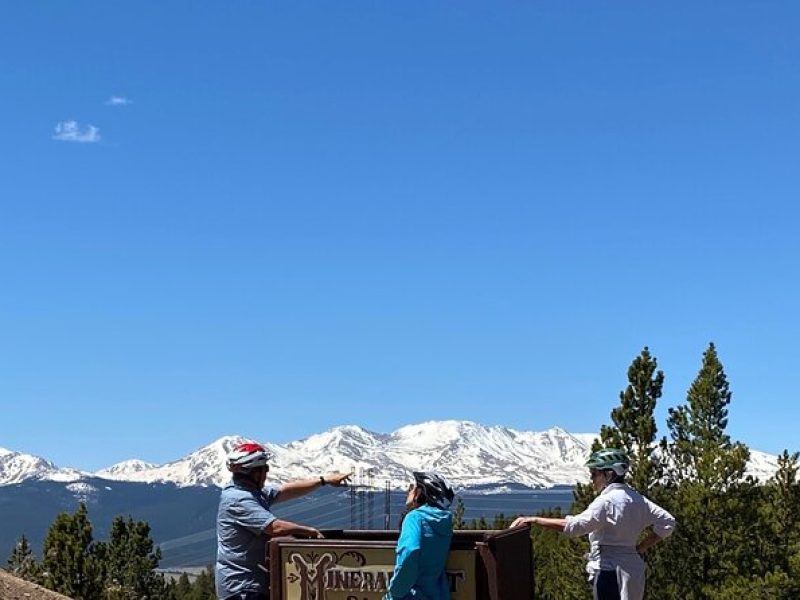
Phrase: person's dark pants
[606,586]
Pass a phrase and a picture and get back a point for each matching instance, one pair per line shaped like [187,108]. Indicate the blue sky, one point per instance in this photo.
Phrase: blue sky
[308,214]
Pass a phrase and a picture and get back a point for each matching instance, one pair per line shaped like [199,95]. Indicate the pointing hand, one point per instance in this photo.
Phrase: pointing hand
[337,479]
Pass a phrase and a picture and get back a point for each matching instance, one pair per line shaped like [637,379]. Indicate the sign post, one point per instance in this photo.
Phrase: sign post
[358,565]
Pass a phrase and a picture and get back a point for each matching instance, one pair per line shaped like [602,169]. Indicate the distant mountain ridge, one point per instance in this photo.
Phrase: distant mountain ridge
[16,467]
[471,455]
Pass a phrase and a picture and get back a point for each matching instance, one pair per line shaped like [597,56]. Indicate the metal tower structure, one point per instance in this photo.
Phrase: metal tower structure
[353,498]
[370,498]
[361,508]
[387,505]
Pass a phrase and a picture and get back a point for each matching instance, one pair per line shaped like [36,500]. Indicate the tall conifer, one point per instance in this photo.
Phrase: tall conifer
[701,449]
[68,560]
[130,560]
[22,563]
[634,424]
[713,503]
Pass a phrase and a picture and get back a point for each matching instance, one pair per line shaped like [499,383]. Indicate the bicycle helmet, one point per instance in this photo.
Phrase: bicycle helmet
[609,459]
[436,489]
[247,456]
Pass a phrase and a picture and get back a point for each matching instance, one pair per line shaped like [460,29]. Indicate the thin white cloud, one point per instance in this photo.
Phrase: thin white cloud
[71,131]
[118,101]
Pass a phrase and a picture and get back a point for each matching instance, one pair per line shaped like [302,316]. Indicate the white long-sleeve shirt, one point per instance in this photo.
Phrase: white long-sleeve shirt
[614,521]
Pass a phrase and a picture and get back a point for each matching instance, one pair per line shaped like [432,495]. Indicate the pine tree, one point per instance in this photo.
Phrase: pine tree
[458,515]
[69,563]
[129,561]
[701,450]
[634,424]
[22,563]
[480,524]
[714,504]
[182,589]
[204,586]
[501,522]
[773,586]
[783,501]
[776,531]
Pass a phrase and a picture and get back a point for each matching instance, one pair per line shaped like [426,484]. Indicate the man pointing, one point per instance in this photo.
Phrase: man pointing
[245,522]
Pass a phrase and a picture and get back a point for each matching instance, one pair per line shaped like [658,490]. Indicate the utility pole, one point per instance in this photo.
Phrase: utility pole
[353,498]
[387,505]
[370,498]
[361,507]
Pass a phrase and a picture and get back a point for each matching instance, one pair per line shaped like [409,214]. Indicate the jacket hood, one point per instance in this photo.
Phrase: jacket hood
[440,520]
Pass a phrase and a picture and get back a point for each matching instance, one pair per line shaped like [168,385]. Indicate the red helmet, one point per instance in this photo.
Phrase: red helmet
[247,456]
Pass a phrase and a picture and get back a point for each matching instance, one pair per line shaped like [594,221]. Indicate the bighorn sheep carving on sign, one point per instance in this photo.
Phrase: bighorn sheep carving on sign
[312,575]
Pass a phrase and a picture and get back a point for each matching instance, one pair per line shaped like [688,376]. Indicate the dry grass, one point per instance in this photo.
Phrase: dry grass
[13,588]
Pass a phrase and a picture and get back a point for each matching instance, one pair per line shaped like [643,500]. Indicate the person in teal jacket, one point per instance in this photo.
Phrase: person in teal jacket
[424,543]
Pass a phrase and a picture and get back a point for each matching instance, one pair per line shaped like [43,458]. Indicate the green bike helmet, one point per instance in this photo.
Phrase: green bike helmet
[609,459]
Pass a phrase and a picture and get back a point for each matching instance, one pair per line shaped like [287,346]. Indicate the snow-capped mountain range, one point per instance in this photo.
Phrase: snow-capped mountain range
[469,454]
[16,467]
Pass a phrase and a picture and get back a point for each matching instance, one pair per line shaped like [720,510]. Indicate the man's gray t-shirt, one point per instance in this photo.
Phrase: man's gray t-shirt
[243,515]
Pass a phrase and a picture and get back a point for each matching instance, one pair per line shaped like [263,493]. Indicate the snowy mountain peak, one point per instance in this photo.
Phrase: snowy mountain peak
[16,467]
[440,428]
[347,438]
[468,453]
[125,468]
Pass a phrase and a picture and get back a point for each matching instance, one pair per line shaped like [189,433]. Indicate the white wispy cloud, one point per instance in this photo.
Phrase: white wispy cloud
[118,101]
[71,131]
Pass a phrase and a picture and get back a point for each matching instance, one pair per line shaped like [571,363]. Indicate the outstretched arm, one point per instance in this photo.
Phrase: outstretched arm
[301,487]
[548,523]
[572,525]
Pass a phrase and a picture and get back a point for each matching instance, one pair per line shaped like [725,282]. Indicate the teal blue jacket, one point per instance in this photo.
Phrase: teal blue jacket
[422,550]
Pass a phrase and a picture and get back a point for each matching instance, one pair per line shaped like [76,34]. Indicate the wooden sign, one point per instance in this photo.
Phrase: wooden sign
[358,565]
[336,573]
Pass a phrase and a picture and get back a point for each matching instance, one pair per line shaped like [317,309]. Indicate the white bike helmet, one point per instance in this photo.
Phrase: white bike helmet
[247,456]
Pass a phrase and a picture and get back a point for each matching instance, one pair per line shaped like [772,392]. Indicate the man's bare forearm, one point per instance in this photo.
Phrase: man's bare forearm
[301,487]
[279,528]
[297,489]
